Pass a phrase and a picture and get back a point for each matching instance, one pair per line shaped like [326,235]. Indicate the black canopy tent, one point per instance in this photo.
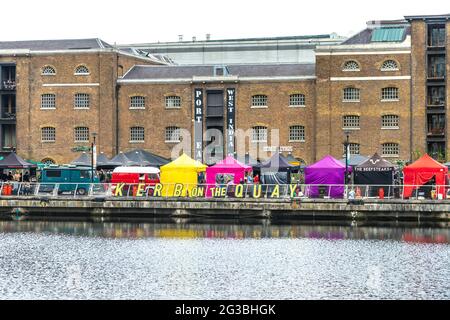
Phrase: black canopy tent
[83,161]
[276,170]
[124,161]
[375,171]
[13,161]
[146,159]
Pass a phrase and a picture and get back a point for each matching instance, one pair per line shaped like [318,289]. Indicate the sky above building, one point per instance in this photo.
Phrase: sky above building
[140,21]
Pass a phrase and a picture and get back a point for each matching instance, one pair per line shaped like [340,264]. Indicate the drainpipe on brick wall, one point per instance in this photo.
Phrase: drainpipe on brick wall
[411,103]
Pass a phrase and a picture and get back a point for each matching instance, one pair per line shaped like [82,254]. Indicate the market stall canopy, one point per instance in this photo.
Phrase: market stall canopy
[228,166]
[123,161]
[147,159]
[83,160]
[355,160]
[13,161]
[278,163]
[327,173]
[375,171]
[421,172]
[184,171]
[292,160]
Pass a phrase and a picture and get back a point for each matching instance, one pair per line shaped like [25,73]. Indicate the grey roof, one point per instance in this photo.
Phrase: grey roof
[49,45]
[365,36]
[257,70]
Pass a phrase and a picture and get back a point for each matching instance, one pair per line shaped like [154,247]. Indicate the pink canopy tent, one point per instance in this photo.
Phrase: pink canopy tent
[227,166]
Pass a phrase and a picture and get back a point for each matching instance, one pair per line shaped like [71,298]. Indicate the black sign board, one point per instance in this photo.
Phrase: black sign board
[198,124]
[231,120]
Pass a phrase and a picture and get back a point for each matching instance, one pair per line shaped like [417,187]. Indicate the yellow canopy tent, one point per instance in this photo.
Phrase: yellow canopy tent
[184,171]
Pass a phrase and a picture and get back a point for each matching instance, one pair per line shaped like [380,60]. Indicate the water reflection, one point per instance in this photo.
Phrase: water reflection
[258,230]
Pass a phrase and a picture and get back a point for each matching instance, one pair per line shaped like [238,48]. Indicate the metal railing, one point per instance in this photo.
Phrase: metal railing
[293,191]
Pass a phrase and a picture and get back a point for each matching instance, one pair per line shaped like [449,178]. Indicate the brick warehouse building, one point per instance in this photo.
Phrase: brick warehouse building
[386,87]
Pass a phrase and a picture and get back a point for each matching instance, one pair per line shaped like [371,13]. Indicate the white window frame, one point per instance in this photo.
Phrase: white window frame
[44,73]
[348,120]
[297,100]
[389,94]
[346,67]
[134,105]
[50,135]
[387,69]
[172,102]
[82,132]
[260,101]
[390,147]
[78,73]
[259,134]
[139,134]
[388,119]
[297,133]
[355,95]
[48,101]
[83,100]
[172,134]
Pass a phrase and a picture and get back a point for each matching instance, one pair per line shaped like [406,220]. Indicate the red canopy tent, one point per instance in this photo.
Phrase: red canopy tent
[422,171]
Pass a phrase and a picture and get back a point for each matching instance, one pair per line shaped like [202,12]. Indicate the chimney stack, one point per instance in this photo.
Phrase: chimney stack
[208,36]
[180,37]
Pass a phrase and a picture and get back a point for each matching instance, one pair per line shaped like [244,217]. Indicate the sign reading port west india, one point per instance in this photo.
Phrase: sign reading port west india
[198,125]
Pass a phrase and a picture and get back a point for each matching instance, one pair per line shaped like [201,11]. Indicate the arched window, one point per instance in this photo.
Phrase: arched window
[390,121]
[137,134]
[48,134]
[389,65]
[296,134]
[297,100]
[48,161]
[48,71]
[173,102]
[81,134]
[137,102]
[81,70]
[81,101]
[390,149]
[351,95]
[389,94]
[350,122]
[172,134]
[48,101]
[259,134]
[351,65]
[259,101]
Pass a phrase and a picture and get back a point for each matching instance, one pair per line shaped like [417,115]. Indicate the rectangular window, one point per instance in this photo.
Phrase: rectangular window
[173,134]
[81,101]
[137,102]
[82,134]
[137,134]
[390,149]
[53,173]
[48,101]
[259,101]
[351,95]
[173,102]
[390,122]
[389,94]
[353,149]
[297,100]
[259,134]
[48,134]
[351,122]
[297,134]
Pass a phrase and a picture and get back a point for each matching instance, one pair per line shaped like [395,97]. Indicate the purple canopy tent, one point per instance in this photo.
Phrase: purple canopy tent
[326,172]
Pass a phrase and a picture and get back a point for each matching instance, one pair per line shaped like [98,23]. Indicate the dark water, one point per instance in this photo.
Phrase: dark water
[162,260]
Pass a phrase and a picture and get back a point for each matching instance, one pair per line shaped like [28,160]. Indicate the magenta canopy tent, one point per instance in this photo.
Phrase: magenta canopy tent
[228,166]
[320,175]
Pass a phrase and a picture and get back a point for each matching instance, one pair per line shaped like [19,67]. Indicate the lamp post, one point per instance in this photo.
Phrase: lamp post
[93,155]
[346,144]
